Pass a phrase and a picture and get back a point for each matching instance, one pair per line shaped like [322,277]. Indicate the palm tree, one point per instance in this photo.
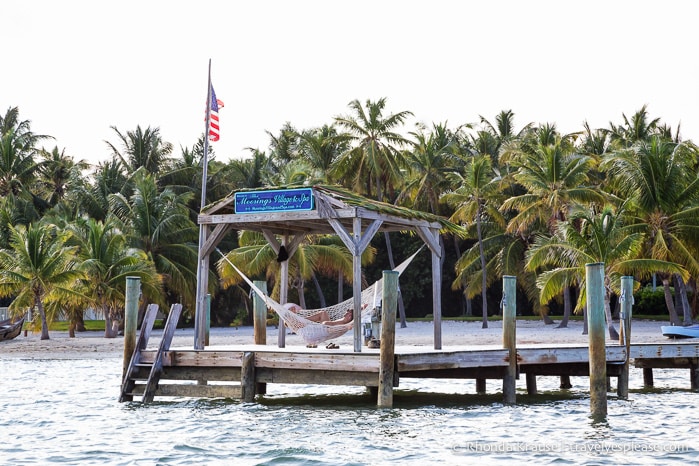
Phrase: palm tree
[58,174]
[106,261]
[430,161]
[659,177]
[321,148]
[473,202]
[373,164]
[589,237]
[18,149]
[324,255]
[634,129]
[37,265]
[555,178]
[157,222]
[141,148]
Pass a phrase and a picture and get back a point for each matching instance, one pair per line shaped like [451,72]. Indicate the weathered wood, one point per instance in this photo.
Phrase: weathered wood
[453,359]
[694,375]
[318,361]
[565,382]
[136,369]
[509,336]
[531,384]
[648,377]
[199,391]
[594,275]
[387,363]
[165,341]
[480,386]
[311,377]
[626,302]
[665,350]
[357,284]
[133,292]
[247,377]
[260,315]
[563,355]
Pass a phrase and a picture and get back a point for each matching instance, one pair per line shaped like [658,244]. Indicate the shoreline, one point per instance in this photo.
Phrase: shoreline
[93,344]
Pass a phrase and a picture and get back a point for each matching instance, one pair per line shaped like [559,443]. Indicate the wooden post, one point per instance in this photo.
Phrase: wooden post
[259,316]
[594,275]
[531,384]
[626,300]
[694,374]
[480,386]
[207,334]
[247,377]
[648,377]
[133,294]
[509,336]
[565,382]
[388,338]
[283,294]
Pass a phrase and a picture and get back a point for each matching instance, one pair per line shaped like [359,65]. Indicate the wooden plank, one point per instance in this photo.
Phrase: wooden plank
[320,361]
[452,360]
[664,363]
[198,358]
[199,391]
[316,377]
[222,374]
[562,355]
[460,373]
[665,350]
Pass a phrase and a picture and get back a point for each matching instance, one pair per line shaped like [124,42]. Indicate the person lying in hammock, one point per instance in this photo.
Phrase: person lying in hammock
[322,316]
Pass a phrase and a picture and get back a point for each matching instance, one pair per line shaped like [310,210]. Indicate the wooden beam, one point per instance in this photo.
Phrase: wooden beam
[216,236]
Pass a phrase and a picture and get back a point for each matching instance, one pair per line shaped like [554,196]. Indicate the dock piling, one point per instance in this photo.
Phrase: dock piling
[388,339]
[133,293]
[509,336]
[626,301]
[598,357]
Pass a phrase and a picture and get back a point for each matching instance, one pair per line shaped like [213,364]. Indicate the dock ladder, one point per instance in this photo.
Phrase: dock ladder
[142,378]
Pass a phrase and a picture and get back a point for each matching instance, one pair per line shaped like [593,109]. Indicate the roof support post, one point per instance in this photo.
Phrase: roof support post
[357,284]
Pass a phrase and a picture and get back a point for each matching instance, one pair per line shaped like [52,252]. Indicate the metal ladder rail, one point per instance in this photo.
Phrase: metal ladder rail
[129,382]
[157,367]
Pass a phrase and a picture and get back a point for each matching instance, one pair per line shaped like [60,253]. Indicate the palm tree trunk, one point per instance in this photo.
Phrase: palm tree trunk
[613,334]
[465,303]
[110,330]
[674,320]
[566,308]
[42,313]
[340,287]
[319,290]
[686,310]
[484,277]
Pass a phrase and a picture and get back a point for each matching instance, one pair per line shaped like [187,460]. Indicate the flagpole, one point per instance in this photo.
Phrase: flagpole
[203,262]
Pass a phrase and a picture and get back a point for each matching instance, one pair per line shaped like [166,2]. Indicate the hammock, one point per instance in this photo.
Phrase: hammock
[316,332]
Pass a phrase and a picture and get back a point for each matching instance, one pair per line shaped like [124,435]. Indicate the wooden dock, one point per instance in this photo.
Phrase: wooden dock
[243,371]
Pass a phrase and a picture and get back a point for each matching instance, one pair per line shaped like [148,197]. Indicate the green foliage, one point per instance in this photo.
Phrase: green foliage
[649,302]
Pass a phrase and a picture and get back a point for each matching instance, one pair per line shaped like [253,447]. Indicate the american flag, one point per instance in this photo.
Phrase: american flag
[213,116]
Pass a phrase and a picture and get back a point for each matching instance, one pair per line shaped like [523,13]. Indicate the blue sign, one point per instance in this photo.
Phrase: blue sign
[276,200]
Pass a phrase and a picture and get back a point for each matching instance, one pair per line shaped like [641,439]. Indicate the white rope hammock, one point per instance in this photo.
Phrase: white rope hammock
[317,332]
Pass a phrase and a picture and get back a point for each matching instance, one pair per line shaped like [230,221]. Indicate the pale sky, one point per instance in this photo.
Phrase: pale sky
[76,68]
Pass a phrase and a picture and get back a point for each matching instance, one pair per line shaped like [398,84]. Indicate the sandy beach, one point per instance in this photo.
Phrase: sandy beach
[93,344]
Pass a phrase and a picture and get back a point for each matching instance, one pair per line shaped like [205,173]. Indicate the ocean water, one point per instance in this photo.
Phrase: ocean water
[67,412]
